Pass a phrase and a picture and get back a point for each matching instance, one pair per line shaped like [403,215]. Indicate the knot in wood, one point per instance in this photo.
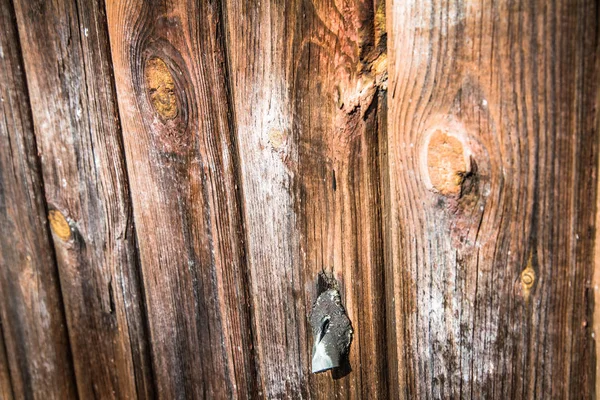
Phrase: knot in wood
[527,278]
[277,138]
[59,225]
[446,163]
[161,88]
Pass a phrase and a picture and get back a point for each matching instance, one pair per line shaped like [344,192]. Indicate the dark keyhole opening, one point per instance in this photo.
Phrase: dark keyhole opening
[324,327]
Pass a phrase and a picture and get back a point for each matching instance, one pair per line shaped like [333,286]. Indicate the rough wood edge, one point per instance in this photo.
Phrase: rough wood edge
[596,271]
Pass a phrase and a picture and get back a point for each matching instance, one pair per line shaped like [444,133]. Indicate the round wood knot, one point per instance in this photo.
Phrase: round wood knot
[277,138]
[59,225]
[161,88]
[446,163]
[527,279]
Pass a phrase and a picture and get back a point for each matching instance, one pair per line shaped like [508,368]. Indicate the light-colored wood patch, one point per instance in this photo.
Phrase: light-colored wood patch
[527,279]
[59,225]
[161,87]
[446,163]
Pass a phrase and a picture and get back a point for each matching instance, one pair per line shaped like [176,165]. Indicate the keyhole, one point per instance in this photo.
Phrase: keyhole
[324,327]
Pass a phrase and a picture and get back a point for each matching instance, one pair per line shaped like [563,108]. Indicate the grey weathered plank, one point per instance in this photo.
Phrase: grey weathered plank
[493,148]
[306,79]
[174,102]
[31,311]
[68,68]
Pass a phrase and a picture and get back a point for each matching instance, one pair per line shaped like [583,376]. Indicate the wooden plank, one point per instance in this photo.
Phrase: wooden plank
[31,312]
[67,62]
[596,278]
[259,40]
[172,91]
[493,164]
[306,79]
[6,391]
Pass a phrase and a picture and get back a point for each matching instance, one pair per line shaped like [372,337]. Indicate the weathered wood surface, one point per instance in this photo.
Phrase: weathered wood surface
[171,79]
[493,147]
[304,78]
[252,148]
[68,68]
[6,391]
[34,334]
[596,280]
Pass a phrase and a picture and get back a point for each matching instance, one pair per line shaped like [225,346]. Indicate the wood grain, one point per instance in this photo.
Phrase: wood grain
[260,147]
[5,385]
[183,164]
[493,152]
[37,359]
[67,62]
[596,275]
[306,78]
[336,90]
[259,36]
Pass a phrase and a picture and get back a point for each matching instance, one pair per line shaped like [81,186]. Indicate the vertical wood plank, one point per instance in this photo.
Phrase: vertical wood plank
[171,82]
[67,61]
[596,273]
[31,312]
[6,391]
[493,147]
[306,82]
[260,39]
[339,68]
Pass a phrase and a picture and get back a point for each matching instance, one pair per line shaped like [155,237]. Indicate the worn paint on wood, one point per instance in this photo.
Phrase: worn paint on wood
[34,335]
[68,67]
[171,80]
[493,258]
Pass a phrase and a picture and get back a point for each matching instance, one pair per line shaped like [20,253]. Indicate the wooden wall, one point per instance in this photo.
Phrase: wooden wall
[174,175]
[496,113]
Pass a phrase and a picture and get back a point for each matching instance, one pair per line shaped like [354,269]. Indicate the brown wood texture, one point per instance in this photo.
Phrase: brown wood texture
[68,68]
[37,358]
[6,391]
[305,78]
[493,148]
[596,275]
[174,101]
[183,170]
